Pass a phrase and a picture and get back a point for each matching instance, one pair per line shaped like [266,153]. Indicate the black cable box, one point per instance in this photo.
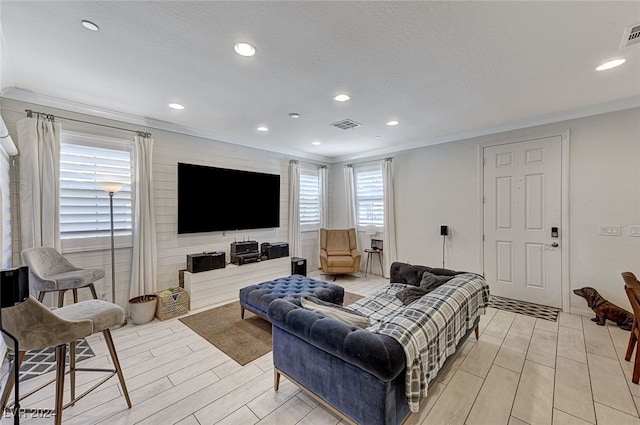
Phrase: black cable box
[249,257]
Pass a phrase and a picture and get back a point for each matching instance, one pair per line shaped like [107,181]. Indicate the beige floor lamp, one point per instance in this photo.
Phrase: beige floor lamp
[112,188]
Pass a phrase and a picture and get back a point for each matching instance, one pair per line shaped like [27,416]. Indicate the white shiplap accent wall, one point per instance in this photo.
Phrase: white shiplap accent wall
[169,149]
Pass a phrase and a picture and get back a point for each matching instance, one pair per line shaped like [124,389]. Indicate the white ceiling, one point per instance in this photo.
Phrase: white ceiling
[445,70]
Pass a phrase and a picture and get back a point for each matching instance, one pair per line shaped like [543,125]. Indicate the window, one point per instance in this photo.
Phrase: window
[85,219]
[309,198]
[369,196]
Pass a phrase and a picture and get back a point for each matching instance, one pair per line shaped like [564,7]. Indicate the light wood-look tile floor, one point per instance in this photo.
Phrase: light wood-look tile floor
[521,371]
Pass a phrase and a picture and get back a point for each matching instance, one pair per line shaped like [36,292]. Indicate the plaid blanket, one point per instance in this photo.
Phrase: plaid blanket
[429,328]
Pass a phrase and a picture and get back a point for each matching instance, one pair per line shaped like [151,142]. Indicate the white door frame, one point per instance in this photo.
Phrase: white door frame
[565,137]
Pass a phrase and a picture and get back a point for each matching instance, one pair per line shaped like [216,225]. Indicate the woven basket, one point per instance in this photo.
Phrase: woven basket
[173,305]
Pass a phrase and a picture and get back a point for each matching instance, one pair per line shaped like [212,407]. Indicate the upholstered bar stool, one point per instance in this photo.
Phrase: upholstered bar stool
[36,327]
[49,271]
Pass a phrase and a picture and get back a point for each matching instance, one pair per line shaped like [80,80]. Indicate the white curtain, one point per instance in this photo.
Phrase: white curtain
[294,209]
[390,252]
[145,257]
[324,202]
[39,185]
[350,196]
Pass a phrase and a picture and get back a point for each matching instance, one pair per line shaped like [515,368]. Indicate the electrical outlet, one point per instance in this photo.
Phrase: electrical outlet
[609,230]
[634,230]
[102,296]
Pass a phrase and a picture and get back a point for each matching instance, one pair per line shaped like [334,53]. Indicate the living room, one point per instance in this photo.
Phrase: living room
[437,180]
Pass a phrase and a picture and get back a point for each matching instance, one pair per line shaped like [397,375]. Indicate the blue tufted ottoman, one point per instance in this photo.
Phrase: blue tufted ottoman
[256,298]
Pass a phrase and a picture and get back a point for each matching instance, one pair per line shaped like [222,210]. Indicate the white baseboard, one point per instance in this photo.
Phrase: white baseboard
[581,311]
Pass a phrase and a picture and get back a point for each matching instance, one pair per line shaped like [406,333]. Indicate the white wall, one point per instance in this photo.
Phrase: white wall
[433,185]
[169,149]
[439,184]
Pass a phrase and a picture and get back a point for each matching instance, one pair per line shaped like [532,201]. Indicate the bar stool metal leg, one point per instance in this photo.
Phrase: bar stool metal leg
[72,370]
[60,359]
[116,364]
[8,386]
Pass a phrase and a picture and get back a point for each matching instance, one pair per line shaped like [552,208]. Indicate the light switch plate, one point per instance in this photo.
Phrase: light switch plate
[634,230]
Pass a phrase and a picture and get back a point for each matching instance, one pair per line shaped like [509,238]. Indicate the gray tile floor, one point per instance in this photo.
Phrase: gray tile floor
[522,370]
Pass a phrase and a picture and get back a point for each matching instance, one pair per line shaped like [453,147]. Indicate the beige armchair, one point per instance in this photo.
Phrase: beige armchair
[339,251]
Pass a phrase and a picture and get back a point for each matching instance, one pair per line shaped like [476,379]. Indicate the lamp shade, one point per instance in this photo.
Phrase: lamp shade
[111,186]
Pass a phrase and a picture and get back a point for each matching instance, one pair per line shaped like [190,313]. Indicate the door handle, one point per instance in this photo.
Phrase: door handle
[553,245]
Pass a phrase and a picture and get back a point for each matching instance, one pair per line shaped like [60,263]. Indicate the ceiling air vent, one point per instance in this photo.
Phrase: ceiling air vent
[630,37]
[346,124]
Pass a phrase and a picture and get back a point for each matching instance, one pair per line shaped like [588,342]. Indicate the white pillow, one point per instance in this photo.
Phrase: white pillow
[337,313]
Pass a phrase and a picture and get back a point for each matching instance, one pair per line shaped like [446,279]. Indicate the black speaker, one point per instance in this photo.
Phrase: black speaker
[14,285]
[206,261]
[444,230]
[274,250]
[299,266]
[218,260]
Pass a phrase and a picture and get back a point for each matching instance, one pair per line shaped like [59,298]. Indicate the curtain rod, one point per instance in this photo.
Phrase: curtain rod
[52,118]
[368,162]
[307,163]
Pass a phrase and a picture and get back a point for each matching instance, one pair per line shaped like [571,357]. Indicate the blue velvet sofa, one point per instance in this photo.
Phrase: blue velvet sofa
[358,374]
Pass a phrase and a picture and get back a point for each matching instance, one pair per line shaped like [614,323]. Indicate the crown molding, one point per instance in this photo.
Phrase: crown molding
[598,109]
[555,117]
[18,94]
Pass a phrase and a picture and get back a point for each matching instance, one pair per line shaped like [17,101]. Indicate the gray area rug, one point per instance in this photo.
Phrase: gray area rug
[37,362]
[522,307]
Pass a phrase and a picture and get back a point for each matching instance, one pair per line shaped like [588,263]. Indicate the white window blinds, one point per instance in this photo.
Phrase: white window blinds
[84,206]
[309,198]
[369,196]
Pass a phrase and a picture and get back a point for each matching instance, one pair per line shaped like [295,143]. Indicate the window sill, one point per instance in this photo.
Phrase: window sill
[95,244]
[306,228]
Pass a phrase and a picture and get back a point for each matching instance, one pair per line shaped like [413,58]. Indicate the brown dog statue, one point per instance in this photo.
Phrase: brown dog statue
[604,309]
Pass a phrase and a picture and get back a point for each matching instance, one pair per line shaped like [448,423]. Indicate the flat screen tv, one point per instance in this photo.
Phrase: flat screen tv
[214,199]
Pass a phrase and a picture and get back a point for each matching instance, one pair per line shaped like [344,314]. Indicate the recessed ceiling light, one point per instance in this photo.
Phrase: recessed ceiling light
[394,122]
[263,128]
[176,106]
[316,143]
[244,49]
[342,97]
[90,25]
[294,115]
[610,64]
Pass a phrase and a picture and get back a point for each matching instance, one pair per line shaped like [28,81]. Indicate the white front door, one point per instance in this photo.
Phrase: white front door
[522,219]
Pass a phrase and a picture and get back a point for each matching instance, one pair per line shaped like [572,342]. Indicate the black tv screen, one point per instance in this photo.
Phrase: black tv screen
[215,199]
